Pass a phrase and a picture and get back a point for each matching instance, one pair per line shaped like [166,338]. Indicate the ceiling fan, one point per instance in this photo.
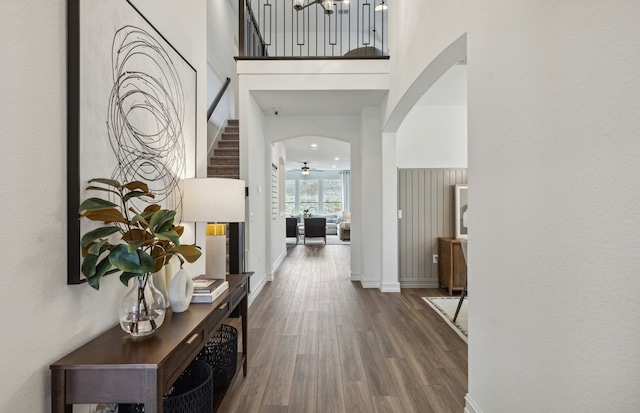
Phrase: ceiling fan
[306,170]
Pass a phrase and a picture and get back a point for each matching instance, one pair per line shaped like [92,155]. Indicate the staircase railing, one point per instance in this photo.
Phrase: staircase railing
[294,29]
[217,99]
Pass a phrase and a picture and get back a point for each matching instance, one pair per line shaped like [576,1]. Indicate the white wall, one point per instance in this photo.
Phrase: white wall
[371,198]
[254,169]
[433,137]
[554,97]
[43,317]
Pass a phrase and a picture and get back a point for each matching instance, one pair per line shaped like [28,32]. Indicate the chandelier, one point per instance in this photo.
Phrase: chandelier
[305,169]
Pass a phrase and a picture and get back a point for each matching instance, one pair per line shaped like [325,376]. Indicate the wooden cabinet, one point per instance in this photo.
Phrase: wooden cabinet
[452,268]
[115,368]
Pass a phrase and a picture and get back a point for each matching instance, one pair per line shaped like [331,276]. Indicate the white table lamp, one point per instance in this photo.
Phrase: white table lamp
[214,200]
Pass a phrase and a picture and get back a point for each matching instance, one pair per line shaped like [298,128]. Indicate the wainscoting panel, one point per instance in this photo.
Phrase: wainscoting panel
[425,197]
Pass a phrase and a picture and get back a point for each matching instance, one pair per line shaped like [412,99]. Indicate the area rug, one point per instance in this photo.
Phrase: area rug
[446,307]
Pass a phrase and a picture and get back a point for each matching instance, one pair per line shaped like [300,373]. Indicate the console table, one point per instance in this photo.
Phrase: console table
[113,368]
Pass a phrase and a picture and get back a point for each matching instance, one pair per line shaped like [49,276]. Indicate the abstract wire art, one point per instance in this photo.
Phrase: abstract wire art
[131,109]
[145,115]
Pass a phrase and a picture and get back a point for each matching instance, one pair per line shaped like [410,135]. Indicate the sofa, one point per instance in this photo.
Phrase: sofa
[332,222]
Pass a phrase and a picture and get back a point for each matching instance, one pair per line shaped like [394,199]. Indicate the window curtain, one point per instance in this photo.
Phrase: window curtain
[346,190]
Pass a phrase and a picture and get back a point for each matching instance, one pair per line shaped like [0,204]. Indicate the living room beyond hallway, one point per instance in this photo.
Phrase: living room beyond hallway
[322,343]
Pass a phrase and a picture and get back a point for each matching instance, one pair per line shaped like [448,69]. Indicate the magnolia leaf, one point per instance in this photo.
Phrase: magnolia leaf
[89,265]
[179,229]
[167,226]
[134,245]
[159,263]
[95,204]
[137,234]
[105,215]
[136,194]
[152,208]
[97,247]
[169,236]
[126,276]
[159,218]
[137,185]
[106,181]
[101,269]
[99,188]
[137,218]
[98,233]
[124,260]
[190,252]
[146,261]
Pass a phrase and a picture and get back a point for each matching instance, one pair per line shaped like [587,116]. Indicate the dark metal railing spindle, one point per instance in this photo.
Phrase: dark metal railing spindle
[268,28]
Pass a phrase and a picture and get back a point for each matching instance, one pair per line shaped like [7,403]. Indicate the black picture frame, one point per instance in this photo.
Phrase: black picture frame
[131,110]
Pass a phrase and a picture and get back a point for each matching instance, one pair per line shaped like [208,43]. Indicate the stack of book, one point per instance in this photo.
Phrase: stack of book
[206,290]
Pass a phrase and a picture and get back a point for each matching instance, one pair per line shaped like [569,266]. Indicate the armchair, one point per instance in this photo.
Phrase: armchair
[315,228]
[292,228]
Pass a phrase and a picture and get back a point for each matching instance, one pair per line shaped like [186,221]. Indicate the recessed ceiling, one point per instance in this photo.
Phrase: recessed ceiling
[322,158]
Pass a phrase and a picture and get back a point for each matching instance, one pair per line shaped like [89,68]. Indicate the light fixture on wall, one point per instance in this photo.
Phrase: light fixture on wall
[327,5]
[305,169]
[214,200]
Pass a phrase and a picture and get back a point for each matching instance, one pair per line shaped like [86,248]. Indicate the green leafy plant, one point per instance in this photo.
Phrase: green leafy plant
[147,239]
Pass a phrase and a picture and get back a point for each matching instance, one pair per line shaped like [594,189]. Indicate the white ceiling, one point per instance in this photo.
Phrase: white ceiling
[323,158]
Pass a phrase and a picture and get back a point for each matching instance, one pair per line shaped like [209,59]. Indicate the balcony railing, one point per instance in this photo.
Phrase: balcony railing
[277,29]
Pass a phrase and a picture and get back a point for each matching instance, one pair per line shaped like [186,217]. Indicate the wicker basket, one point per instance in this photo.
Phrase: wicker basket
[221,353]
[191,393]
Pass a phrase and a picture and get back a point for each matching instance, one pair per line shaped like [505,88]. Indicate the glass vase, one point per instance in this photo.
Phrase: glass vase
[143,308]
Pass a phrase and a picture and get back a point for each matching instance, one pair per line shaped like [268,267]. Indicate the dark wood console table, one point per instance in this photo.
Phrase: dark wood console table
[113,368]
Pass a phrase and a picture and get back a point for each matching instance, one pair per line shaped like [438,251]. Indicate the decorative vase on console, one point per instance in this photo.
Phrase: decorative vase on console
[137,243]
[142,309]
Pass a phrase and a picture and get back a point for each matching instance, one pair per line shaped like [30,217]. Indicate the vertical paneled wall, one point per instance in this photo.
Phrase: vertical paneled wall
[426,199]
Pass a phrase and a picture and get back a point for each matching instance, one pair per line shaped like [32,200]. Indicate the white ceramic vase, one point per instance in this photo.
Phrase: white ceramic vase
[180,291]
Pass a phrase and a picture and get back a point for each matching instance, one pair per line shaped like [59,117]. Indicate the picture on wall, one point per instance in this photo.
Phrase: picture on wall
[461,206]
[131,110]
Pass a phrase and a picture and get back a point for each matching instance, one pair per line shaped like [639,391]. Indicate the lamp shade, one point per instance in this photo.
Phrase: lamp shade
[346,215]
[213,200]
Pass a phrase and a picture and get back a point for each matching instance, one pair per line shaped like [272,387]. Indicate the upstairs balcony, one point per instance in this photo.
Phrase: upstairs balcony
[313,29]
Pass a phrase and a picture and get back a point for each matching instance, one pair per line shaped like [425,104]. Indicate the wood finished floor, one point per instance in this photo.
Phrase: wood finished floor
[319,343]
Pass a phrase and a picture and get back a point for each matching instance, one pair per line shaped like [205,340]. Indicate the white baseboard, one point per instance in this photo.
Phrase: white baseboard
[256,289]
[390,287]
[355,276]
[278,262]
[470,406]
[419,284]
[370,284]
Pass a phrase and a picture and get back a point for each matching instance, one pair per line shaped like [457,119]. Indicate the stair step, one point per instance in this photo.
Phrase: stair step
[233,122]
[223,176]
[223,170]
[232,129]
[226,152]
[224,160]
[230,136]
[228,144]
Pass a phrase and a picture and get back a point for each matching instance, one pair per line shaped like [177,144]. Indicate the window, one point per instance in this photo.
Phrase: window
[318,196]
[331,196]
[309,195]
[290,196]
